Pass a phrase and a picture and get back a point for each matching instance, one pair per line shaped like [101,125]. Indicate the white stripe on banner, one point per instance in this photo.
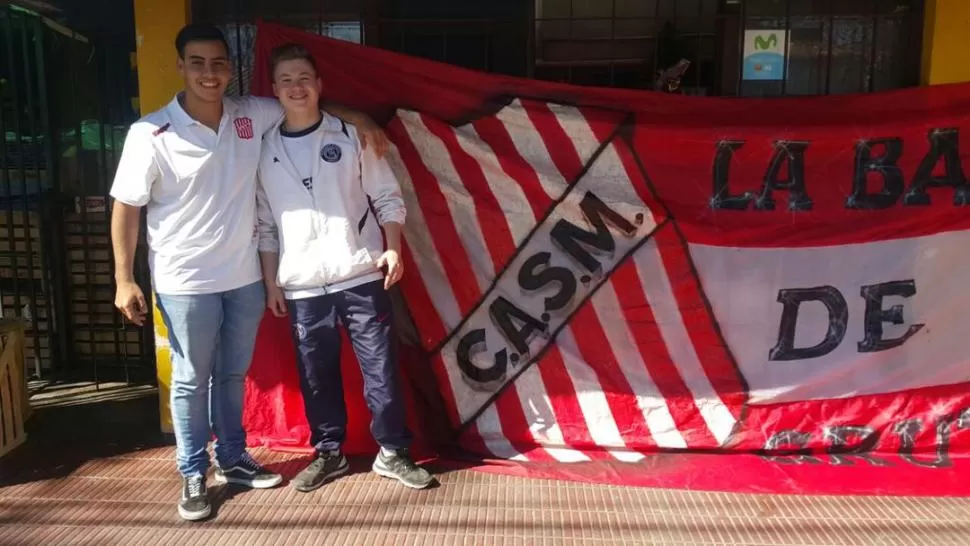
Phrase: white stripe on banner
[432,274]
[528,141]
[542,420]
[920,275]
[660,296]
[418,237]
[507,191]
[649,399]
[512,202]
[490,429]
[577,127]
[613,187]
[627,456]
[435,156]
[596,409]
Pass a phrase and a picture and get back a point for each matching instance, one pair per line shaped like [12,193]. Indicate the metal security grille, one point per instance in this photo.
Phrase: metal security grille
[836,46]
[830,46]
[66,105]
[236,18]
[487,36]
[624,43]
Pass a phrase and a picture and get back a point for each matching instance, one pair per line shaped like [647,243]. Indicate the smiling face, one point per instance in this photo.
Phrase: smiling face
[296,85]
[205,69]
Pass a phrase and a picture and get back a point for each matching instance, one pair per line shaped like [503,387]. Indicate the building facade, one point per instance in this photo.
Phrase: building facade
[812,47]
[78,76]
[742,48]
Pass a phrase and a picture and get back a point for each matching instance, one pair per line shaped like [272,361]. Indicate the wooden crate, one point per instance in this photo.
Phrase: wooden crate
[37,343]
[14,405]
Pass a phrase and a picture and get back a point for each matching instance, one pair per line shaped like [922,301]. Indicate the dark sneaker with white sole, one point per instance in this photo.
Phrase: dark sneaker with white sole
[325,468]
[398,465]
[248,473]
[194,504]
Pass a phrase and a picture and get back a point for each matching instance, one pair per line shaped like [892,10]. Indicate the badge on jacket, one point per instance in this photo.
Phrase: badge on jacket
[331,153]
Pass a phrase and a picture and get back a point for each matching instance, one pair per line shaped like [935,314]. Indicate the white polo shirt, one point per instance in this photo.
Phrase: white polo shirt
[199,187]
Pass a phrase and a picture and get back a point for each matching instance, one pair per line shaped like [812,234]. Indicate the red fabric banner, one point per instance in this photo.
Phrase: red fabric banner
[596,276]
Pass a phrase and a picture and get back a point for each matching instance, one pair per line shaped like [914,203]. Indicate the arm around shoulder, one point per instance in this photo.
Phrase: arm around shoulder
[268,112]
[370,134]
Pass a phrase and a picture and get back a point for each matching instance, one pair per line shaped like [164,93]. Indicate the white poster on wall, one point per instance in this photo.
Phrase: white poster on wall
[764,54]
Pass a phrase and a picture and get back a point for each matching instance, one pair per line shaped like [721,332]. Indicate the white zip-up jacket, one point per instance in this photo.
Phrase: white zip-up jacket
[327,237]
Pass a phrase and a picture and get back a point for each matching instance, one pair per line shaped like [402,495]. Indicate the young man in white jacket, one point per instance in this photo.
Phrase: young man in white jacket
[192,165]
[320,200]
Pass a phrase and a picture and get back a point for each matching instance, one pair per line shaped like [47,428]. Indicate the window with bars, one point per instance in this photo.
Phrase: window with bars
[242,44]
[339,19]
[624,43]
[835,46]
[831,46]
[65,104]
[464,34]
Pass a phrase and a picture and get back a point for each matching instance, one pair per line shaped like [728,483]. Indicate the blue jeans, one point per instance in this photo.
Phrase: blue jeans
[212,338]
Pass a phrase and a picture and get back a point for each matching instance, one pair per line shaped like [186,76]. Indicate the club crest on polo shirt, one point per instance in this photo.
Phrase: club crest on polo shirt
[300,331]
[331,153]
[244,127]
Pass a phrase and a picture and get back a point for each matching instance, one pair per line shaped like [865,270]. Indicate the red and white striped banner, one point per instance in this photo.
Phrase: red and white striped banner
[596,275]
[501,200]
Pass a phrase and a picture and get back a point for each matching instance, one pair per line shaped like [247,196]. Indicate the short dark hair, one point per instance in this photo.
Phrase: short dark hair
[199,32]
[290,52]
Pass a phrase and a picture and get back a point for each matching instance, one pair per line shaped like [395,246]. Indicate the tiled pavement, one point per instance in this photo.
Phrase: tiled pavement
[129,499]
[78,484]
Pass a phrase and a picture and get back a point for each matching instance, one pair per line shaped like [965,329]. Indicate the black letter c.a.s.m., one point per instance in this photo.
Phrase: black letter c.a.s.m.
[481,379]
[536,274]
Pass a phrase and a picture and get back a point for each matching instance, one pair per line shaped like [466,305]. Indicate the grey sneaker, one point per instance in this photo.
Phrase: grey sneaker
[194,505]
[323,469]
[247,472]
[400,467]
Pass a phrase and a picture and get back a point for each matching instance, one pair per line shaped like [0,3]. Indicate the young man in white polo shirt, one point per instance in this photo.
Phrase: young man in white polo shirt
[192,165]
[320,200]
